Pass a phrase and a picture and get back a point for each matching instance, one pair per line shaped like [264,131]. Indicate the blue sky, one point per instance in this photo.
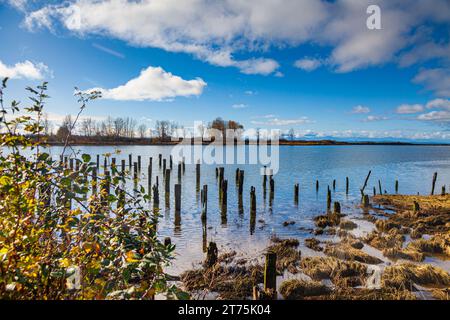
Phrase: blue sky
[313,66]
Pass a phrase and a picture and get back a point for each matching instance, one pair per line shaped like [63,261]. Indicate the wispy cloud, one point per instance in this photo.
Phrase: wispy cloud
[282,122]
[409,108]
[359,109]
[372,118]
[154,84]
[239,106]
[108,50]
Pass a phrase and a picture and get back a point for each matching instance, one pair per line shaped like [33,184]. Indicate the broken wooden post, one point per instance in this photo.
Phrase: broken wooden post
[98,162]
[164,166]
[160,159]
[434,183]
[224,199]
[155,197]
[204,202]
[317,185]
[237,176]
[272,187]
[296,187]
[366,201]
[379,187]
[211,255]
[416,207]
[241,182]
[179,172]
[443,193]
[184,164]
[346,185]
[105,165]
[252,209]
[135,171]
[130,160]
[334,184]
[197,175]
[270,274]
[122,167]
[337,207]
[177,197]
[396,186]
[374,191]
[139,163]
[170,162]
[167,241]
[365,183]
[105,189]
[71,164]
[328,198]
[167,181]
[94,181]
[265,178]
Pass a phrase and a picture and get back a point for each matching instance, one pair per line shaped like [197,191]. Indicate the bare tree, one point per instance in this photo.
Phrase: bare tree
[141,130]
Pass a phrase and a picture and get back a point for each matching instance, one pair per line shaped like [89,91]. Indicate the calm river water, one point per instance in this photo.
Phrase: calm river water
[412,166]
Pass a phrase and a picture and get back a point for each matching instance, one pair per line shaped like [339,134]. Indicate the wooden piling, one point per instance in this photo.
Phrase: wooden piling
[433,183]
[346,185]
[334,184]
[155,197]
[130,160]
[296,187]
[177,197]
[317,185]
[204,202]
[396,186]
[139,163]
[94,181]
[167,241]
[443,193]
[167,181]
[270,274]
[337,208]
[416,207]
[328,198]
[160,159]
[252,209]
[164,166]
[98,162]
[170,162]
[379,187]
[211,255]
[366,201]
[105,164]
[135,171]
[179,172]
[197,174]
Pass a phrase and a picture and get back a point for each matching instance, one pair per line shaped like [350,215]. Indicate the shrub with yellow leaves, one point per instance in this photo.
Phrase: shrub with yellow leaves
[63,238]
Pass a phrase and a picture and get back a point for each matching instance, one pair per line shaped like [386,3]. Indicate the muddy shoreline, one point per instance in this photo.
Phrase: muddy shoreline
[395,248]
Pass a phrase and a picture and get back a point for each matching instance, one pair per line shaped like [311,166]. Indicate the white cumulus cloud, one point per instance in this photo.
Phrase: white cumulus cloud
[308,64]
[154,84]
[24,70]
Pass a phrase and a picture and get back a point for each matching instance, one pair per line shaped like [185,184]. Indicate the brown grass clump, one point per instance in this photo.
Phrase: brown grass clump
[298,289]
[346,252]
[313,244]
[288,257]
[347,225]
[228,282]
[441,294]
[432,217]
[383,241]
[405,275]
[406,254]
[386,225]
[341,273]
[437,245]
[370,294]
[327,220]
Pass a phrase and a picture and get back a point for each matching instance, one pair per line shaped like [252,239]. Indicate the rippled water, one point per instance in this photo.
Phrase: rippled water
[412,166]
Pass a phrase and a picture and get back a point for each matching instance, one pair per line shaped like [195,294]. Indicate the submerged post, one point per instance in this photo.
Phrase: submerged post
[211,255]
[130,160]
[155,197]
[396,186]
[337,207]
[160,159]
[139,163]
[204,201]
[328,198]
[317,185]
[197,175]
[167,181]
[296,187]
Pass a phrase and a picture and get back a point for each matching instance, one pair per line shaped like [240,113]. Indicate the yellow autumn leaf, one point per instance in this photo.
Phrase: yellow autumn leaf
[131,257]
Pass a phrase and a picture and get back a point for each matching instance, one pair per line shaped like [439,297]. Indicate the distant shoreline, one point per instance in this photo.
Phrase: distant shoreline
[154,142]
